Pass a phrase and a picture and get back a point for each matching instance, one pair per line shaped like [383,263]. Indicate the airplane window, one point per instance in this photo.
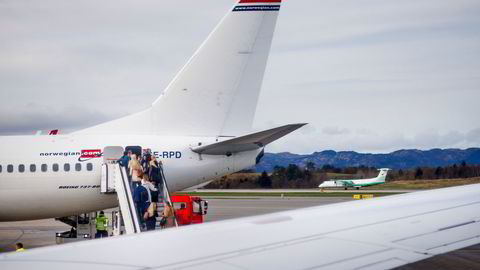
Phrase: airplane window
[78,167]
[21,168]
[10,168]
[33,168]
[55,167]
[89,167]
[66,167]
[44,167]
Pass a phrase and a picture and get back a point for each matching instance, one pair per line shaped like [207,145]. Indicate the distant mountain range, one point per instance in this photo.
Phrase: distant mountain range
[401,159]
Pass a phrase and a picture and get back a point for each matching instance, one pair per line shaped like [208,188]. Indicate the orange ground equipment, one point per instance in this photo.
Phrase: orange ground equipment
[189,209]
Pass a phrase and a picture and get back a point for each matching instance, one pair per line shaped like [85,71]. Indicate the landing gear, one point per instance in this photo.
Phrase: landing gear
[358,188]
[346,188]
[83,227]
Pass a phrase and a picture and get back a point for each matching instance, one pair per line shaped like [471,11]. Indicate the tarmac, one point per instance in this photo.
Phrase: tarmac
[39,233]
[33,234]
[316,190]
[234,207]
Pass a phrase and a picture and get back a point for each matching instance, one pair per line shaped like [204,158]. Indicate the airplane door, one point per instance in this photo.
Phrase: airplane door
[112,153]
[137,150]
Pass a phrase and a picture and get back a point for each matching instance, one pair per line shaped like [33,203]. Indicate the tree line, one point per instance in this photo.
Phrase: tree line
[449,172]
[310,176]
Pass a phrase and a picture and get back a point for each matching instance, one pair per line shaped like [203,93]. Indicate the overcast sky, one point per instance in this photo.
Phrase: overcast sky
[369,76]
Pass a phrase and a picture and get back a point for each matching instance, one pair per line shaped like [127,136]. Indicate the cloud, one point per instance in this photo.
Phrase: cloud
[363,140]
[335,130]
[308,129]
[367,76]
[39,117]
[473,136]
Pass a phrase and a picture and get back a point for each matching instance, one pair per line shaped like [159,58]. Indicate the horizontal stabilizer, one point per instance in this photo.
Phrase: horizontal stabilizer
[247,142]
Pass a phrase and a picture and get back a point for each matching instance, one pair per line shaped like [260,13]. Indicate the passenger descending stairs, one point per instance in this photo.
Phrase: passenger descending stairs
[115,180]
[164,194]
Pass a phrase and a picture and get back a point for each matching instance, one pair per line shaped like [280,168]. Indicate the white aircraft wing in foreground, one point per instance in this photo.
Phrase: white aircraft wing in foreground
[380,233]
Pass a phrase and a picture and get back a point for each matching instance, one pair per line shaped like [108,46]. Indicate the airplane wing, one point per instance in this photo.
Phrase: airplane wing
[247,142]
[379,233]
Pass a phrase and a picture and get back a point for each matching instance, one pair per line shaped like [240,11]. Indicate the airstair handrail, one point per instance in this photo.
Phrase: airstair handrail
[127,194]
[165,185]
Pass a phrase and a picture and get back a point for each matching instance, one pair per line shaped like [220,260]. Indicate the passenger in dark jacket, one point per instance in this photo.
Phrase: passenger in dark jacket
[140,197]
[145,162]
[123,161]
[154,172]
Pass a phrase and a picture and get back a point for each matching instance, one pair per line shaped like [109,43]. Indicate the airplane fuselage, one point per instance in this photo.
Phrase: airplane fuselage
[351,183]
[357,183]
[55,176]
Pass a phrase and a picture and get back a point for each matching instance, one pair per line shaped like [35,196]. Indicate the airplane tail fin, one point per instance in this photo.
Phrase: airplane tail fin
[220,84]
[216,92]
[382,174]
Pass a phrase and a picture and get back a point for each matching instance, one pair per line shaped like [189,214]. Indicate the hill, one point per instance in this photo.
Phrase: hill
[401,159]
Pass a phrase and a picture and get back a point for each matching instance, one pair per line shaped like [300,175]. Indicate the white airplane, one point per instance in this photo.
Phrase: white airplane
[199,128]
[357,183]
[380,233]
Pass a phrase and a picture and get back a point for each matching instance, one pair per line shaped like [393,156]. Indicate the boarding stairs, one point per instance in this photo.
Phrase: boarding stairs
[164,195]
[115,180]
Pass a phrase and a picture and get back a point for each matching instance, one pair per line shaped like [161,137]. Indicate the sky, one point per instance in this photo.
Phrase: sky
[368,76]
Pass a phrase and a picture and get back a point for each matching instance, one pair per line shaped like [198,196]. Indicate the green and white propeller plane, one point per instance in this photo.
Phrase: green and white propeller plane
[356,183]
